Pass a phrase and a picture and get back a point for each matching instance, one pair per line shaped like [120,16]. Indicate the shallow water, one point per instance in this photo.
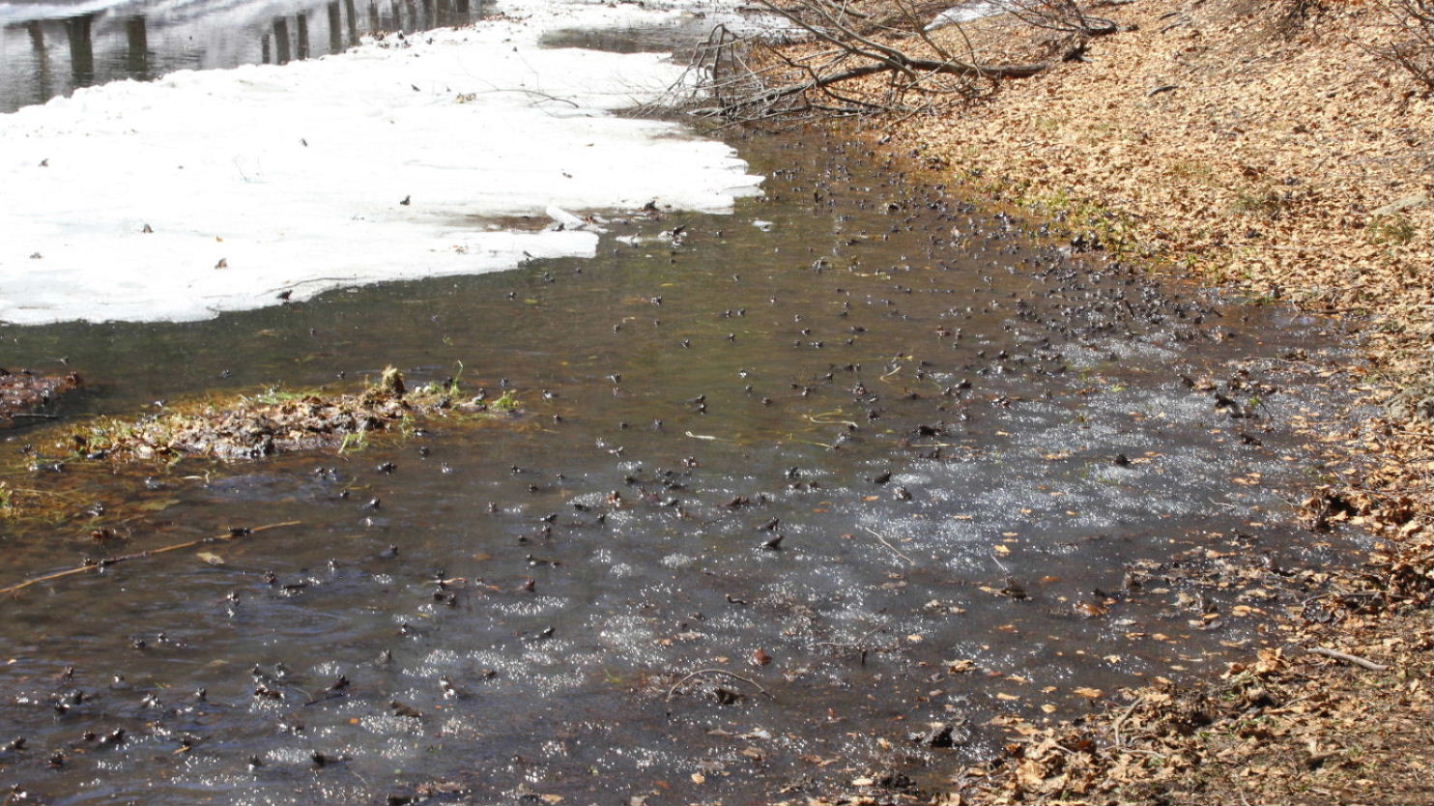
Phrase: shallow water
[50,49]
[682,393]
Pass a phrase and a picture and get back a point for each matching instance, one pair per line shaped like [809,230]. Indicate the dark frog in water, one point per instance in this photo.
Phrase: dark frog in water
[24,395]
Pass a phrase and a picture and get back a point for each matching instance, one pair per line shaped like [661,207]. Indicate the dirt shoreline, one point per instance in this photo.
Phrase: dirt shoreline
[1262,172]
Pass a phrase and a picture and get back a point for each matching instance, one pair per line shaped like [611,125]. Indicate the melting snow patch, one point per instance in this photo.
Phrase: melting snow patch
[965,12]
[219,190]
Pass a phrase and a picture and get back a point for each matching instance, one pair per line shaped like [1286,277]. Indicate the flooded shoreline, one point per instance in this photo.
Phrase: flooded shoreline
[867,450]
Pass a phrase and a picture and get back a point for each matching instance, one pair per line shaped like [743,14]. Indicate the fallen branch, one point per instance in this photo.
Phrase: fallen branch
[1348,658]
[232,534]
[900,48]
[766,98]
[672,692]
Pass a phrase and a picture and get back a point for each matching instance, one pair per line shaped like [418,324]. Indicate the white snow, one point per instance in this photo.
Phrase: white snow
[966,12]
[15,13]
[266,178]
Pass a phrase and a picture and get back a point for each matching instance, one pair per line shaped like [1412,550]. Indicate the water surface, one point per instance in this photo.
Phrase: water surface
[50,48]
[1001,476]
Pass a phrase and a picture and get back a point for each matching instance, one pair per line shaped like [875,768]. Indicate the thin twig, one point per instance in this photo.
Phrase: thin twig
[884,542]
[232,534]
[1348,658]
[1120,720]
[672,692]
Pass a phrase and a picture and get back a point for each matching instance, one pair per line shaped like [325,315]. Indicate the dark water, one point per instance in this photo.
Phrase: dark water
[50,49]
[974,448]
[676,38]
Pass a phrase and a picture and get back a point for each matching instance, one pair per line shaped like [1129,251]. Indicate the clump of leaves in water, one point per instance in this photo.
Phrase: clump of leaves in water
[249,426]
[276,421]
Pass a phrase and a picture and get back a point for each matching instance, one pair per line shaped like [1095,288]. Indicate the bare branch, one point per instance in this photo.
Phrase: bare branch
[750,79]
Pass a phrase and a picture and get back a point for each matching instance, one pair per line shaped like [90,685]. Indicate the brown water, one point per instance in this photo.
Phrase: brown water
[682,394]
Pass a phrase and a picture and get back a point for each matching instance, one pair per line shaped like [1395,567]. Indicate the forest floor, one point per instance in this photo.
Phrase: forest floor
[1269,151]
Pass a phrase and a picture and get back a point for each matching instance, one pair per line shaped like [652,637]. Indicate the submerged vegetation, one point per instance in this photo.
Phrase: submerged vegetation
[276,421]
[246,427]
